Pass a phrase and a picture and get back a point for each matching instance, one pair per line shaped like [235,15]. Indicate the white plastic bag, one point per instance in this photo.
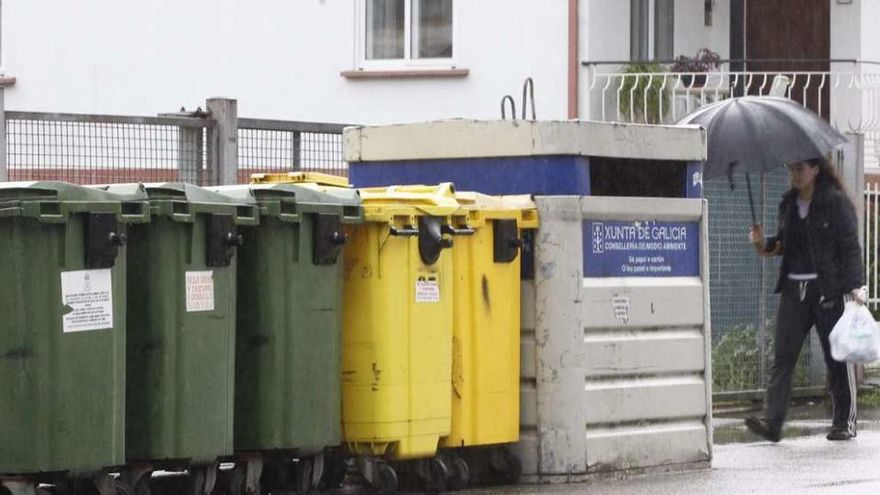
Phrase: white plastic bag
[856,336]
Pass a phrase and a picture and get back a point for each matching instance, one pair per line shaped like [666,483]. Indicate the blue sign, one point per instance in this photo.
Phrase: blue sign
[641,249]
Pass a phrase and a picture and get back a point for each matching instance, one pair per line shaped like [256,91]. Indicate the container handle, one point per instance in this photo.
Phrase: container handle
[407,231]
[449,229]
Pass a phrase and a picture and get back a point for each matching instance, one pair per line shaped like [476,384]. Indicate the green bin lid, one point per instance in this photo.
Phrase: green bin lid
[181,201]
[64,191]
[52,201]
[288,200]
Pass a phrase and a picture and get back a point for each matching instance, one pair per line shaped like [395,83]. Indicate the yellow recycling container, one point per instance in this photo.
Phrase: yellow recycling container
[397,322]
[486,329]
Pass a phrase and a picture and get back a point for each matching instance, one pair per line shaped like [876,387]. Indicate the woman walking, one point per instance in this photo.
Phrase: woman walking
[817,237]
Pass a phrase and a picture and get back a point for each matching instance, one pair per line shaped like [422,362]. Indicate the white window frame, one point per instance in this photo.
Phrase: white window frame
[407,62]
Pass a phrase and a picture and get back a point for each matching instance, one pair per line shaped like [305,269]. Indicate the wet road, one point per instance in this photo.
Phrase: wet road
[803,463]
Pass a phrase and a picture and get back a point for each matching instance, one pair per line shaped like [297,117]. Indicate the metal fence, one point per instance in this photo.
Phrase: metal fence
[742,290]
[665,97]
[98,149]
[95,149]
[283,146]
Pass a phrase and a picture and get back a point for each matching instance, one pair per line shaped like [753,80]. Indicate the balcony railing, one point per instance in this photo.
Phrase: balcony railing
[850,99]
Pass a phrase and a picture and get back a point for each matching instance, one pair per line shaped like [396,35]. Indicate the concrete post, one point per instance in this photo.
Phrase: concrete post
[850,161]
[223,142]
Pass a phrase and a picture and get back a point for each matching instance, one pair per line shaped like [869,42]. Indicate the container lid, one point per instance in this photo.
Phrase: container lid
[181,201]
[181,191]
[53,201]
[300,177]
[383,203]
[481,207]
[288,200]
[64,191]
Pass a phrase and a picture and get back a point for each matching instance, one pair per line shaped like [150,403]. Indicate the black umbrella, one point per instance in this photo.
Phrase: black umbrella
[760,133]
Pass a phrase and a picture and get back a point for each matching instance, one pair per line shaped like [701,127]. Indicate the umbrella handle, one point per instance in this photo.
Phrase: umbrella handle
[751,198]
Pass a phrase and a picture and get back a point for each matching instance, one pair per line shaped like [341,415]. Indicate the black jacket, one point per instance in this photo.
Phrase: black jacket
[834,240]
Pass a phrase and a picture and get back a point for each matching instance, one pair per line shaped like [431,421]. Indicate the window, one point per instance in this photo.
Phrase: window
[406,32]
[652,24]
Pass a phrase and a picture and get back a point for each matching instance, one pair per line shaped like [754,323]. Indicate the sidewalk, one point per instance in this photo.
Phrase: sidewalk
[803,463]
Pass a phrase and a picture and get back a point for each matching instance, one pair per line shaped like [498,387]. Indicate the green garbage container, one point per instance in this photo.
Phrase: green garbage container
[181,329]
[62,330]
[289,328]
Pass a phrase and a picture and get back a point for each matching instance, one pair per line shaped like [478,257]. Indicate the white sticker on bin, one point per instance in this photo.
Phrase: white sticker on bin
[199,291]
[87,296]
[427,290]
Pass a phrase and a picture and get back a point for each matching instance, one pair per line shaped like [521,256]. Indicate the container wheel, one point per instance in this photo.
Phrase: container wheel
[438,476]
[460,474]
[134,483]
[510,468]
[123,488]
[388,481]
[334,473]
[302,475]
[201,480]
[81,486]
[238,482]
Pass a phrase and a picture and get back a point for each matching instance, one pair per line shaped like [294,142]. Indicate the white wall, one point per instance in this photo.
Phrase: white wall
[846,31]
[279,58]
[605,29]
[604,36]
[846,43]
[870,34]
[691,32]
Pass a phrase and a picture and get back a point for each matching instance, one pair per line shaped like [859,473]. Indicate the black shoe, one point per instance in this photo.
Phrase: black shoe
[759,427]
[839,433]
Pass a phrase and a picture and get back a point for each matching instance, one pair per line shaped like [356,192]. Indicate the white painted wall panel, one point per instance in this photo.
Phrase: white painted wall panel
[670,444]
[660,303]
[645,399]
[636,352]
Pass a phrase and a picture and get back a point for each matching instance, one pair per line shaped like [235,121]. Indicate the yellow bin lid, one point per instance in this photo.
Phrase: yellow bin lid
[481,207]
[384,203]
[301,177]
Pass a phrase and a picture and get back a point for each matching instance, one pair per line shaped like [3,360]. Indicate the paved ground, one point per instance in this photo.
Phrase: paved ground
[803,463]
[801,466]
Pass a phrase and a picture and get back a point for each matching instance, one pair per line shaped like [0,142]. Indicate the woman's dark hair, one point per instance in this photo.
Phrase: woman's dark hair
[827,175]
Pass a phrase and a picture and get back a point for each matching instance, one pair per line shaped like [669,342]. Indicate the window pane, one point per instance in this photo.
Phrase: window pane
[385,29]
[432,28]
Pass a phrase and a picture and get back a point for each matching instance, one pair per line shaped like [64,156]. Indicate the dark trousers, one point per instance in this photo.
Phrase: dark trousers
[800,309]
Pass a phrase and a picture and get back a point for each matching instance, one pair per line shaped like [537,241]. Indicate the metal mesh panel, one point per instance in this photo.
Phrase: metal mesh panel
[742,284]
[94,149]
[279,146]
